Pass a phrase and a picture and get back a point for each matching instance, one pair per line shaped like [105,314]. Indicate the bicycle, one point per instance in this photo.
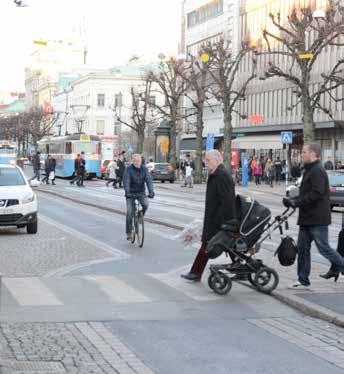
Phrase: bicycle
[138,225]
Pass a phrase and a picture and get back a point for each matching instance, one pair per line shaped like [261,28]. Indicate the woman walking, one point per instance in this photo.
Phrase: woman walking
[112,168]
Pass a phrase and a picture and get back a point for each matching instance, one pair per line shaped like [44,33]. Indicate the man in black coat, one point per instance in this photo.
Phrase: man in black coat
[314,217]
[121,168]
[219,208]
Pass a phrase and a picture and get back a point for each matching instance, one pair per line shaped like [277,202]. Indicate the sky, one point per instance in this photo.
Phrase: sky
[114,31]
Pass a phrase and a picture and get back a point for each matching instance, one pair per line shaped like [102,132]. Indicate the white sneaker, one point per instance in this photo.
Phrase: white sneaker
[298,286]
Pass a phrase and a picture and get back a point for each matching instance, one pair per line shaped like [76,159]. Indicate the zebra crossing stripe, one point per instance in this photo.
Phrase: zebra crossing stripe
[196,291]
[117,290]
[30,292]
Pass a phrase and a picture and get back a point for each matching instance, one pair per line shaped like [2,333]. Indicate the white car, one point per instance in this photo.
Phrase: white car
[18,203]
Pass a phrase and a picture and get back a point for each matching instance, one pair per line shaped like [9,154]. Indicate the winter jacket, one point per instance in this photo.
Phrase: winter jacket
[121,168]
[36,162]
[134,180]
[219,202]
[314,198]
[112,167]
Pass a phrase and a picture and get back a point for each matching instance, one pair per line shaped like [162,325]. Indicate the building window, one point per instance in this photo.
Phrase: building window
[117,128]
[118,100]
[202,14]
[101,100]
[100,127]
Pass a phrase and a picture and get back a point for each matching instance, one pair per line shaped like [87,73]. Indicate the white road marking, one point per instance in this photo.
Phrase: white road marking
[30,292]
[117,290]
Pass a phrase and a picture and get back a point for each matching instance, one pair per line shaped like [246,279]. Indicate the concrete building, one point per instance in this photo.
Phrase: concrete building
[89,99]
[206,21]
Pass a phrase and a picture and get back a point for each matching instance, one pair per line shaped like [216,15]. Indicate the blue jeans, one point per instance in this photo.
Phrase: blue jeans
[36,175]
[142,199]
[318,233]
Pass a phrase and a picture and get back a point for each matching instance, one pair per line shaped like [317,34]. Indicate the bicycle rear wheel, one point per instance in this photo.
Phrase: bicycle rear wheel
[140,229]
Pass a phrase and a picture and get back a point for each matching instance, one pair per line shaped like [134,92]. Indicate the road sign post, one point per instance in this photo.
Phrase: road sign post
[287,139]
[210,141]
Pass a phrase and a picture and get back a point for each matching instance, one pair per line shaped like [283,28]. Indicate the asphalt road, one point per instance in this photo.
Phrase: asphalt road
[80,268]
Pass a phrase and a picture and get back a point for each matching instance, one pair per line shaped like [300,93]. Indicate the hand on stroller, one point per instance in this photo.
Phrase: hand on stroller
[289,203]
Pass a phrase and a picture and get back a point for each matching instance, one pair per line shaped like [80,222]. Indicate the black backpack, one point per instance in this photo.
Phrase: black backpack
[287,251]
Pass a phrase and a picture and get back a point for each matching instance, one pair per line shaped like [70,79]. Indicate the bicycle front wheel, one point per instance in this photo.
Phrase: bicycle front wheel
[140,230]
[133,233]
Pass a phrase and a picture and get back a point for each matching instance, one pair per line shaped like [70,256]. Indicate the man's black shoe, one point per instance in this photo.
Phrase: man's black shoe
[191,277]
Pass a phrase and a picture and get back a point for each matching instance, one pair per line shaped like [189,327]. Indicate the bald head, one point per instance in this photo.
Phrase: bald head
[137,160]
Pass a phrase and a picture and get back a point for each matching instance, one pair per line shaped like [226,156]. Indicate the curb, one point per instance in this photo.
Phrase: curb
[112,210]
[310,309]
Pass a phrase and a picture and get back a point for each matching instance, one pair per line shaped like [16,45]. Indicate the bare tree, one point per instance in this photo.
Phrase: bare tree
[196,74]
[140,115]
[227,86]
[170,84]
[301,38]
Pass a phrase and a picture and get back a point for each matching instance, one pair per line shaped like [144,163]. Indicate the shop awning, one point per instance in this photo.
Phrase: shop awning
[258,142]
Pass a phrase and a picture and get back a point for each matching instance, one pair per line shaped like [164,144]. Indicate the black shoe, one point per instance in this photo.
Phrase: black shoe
[54,184]
[191,277]
[331,274]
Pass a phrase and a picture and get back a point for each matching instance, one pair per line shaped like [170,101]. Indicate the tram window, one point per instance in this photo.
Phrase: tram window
[68,148]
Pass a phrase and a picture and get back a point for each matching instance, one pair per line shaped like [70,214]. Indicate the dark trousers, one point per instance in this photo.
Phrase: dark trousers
[36,175]
[200,261]
[120,180]
[318,233]
[142,199]
[113,181]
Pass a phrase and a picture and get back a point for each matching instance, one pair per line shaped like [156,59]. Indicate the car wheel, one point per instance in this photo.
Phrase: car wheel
[172,181]
[32,227]
[162,181]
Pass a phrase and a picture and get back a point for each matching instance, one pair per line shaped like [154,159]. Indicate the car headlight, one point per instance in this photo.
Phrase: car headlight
[28,198]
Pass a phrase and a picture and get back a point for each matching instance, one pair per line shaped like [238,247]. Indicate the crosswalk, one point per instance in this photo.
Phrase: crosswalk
[101,289]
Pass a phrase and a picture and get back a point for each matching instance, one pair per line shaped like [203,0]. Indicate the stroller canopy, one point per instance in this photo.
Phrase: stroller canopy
[252,216]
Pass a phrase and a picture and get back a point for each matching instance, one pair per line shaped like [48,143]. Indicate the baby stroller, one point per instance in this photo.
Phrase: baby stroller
[241,239]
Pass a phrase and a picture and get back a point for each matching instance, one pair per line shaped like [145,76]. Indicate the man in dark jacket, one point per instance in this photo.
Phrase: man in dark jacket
[76,169]
[36,165]
[219,208]
[136,176]
[314,216]
[121,168]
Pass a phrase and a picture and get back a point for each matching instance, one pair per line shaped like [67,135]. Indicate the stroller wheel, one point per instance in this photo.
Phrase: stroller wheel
[266,280]
[251,278]
[220,283]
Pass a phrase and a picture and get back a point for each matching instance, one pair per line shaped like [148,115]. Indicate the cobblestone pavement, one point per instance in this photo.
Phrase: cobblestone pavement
[93,348]
[56,348]
[53,247]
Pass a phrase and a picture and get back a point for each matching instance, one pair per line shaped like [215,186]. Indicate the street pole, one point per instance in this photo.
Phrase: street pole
[286,166]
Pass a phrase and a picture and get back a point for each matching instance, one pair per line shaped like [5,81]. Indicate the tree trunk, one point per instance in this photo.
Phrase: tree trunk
[227,135]
[173,139]
[199,145]
[140,140]
[308,120]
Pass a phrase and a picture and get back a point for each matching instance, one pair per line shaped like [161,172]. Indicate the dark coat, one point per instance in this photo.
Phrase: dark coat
[121,168]
[36,162]
[219,202]
[314,199]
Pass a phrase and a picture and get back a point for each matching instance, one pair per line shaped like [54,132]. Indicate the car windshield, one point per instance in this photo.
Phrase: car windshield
[160,167]
[336,179]
[11,177]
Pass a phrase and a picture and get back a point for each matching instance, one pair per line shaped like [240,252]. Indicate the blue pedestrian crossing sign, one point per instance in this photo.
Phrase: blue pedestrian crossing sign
[286,137]
[130,148]
[210,141]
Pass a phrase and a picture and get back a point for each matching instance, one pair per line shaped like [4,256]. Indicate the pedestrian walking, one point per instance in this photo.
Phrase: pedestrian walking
[76,169]
[278,170]
[269,172]
[314,217]
[47,166]
[52,170]
[112,169]
[257,172]
[188,182]
[36,165]
[329,164]
[219,208]
[121,168]
[82,170]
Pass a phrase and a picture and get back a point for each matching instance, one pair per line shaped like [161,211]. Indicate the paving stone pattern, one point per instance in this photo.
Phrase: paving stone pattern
[76,348]
[50,249]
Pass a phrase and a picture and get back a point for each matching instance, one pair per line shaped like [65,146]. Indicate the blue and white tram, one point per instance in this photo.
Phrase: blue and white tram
[8,152]
[65,149]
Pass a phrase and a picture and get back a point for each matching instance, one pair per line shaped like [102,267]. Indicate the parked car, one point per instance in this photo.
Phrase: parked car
[336,179]
[103,169]
[163,172]
[18,203]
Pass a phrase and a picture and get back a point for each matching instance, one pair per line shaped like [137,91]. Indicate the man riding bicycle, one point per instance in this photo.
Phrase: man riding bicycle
[135,177]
